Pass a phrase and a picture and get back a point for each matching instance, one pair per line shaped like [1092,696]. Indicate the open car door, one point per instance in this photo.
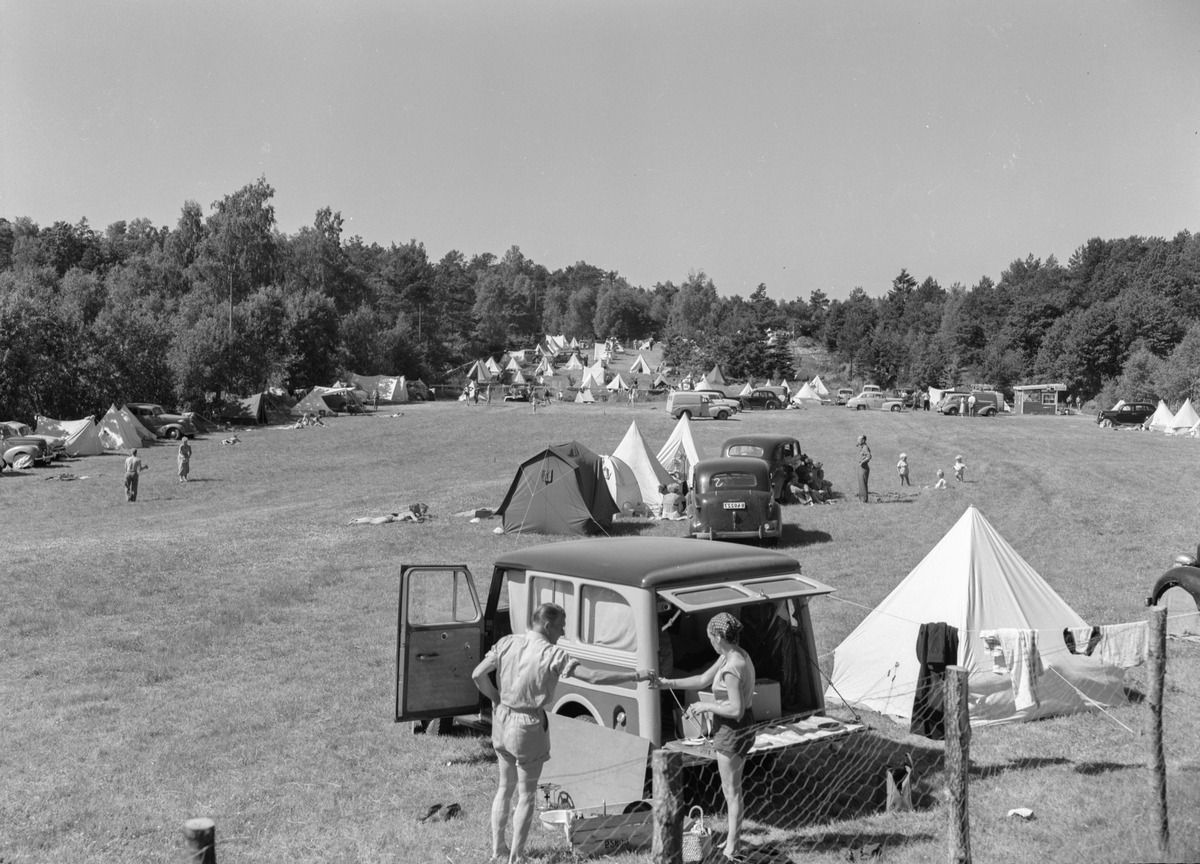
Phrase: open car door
[439,642]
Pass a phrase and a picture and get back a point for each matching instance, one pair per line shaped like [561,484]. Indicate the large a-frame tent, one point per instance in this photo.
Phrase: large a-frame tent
[806,395]
[574,362]
[715,377]
[119,432]
[392,389]
[518,379]
[680,452]
[479,372]
[82,436]
[559,491]
[640,367]
[647,470]
[1162,419]
[1185,418]
[819,387]
[974,580]
[617,384]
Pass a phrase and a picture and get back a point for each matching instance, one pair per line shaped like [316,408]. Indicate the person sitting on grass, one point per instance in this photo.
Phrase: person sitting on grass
[414,513]
[941,480]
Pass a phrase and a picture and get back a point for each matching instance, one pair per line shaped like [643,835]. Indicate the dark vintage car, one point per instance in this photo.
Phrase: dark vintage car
[162,424]
[733,500]
[1181,580]
[782,452]
[764,398]
[1129,414]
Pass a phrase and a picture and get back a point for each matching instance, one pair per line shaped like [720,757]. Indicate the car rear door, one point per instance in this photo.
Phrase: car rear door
[738,592]
[439,642]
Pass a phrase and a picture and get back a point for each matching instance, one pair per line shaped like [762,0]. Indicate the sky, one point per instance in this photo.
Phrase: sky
[804,145]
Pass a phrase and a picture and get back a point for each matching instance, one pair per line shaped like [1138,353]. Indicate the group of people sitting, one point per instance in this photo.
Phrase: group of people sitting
[308,419]
[806,484]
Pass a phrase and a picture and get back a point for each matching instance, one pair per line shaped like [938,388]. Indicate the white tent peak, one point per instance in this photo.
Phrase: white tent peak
[681,449]
[636,453]
[974,580]
[1186,417]
[819,386]
[1162,419]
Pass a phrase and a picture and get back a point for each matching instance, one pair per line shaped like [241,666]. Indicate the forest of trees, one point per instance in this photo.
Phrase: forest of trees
[227,303]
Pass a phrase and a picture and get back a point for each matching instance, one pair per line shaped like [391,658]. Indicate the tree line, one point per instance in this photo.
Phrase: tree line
[225,302]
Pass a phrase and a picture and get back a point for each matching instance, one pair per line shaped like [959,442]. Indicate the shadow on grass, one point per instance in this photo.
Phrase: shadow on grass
[629,529]
[894,497]
[985,771]
[837,841]
[1093,768]
[794,535]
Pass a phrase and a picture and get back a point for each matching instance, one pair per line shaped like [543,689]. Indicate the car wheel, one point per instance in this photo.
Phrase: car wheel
[895,408]
[173,434]
[685,413]
[772,406]
[860,407]
[950,412]
[722,415]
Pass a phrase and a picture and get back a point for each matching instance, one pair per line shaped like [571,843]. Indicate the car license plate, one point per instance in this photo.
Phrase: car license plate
[735,505]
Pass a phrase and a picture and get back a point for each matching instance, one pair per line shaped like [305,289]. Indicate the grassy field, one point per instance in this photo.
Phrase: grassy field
[226,648]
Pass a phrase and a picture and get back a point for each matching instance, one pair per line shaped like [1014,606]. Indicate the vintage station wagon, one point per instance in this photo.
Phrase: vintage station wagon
[631,602]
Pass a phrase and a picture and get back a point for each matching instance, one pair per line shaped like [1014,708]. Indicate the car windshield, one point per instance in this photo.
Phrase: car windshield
[734,481]
[745,450]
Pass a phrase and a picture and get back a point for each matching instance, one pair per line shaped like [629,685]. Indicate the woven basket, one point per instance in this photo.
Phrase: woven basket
[697,839]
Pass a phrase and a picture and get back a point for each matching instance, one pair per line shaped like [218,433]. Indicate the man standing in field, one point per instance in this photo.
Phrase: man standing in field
[527,669]
[133,466]
[864,468]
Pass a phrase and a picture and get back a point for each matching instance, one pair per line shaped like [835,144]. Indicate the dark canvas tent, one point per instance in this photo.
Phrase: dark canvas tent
[559,491]
[252,409]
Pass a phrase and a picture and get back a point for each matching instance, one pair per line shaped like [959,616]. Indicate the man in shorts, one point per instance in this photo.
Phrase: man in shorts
[528,667]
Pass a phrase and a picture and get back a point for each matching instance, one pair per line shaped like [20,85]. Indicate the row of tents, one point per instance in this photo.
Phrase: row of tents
[568,489]
[1185,421]
[118,429]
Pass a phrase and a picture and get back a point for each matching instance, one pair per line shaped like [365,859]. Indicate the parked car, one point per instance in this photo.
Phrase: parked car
[629,601]
[14,446]
[162,424]
[781,452]
[987,402]
[720,400]
[844,395]
[1129,414]
[764,398]
[695,405]
[733,499]
[867,399]
[56,444]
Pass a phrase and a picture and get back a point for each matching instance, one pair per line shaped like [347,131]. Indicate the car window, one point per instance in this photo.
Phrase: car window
[543,589]
[745,450]
[734,481]
[607,618]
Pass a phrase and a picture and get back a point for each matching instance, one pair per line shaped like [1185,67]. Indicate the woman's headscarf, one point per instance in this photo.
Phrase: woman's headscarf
[725,626]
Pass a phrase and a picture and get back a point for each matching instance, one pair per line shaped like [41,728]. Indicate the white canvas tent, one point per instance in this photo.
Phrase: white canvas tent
[1117,407]
[117,432]
[680,450]
[590,380]
[617,383]
[622,483]
[974,580]
[1162,418]
[806,395]
[518,378]
[647,470]
[715,377]
[597,370]
[1185,418]
[748,389]
[819,387]
[512,365]
[585,395]
[599,353]
[82,436]
[640,366]
[493,366]
[574,362]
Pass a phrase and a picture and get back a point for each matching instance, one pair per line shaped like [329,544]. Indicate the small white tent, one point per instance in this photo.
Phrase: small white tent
[513,365]
[648,471]
[117,432]
[492,366]
[748,389]
[599,353]
[622,484]
[574,362]
[974,580]
[819,387]
[1162,418]
[715,378]
[1185,418]
[585,395]
[680,452]
[640,367]
[518,378]
[617,383]
[806,395]
[590,380]
[82,436]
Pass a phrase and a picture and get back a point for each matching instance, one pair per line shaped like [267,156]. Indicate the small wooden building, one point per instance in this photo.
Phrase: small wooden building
[1037,398]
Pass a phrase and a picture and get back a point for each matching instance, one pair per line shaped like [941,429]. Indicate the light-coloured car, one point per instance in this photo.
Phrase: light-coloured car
[868,399]
[695,405]
[54,443]
[719,399]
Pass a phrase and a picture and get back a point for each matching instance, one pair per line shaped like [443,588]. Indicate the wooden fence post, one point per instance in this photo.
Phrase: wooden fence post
[958,763]
[201,838]
[1156,661]
[667,772]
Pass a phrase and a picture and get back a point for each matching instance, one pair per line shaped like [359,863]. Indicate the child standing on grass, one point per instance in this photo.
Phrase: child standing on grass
[902,470]
[941,481]
[959,467]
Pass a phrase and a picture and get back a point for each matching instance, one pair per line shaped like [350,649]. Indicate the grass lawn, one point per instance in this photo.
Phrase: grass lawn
[226,648]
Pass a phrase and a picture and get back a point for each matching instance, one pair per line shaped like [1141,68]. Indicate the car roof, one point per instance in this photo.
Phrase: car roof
[767,442]
[649,562]
[719,464]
